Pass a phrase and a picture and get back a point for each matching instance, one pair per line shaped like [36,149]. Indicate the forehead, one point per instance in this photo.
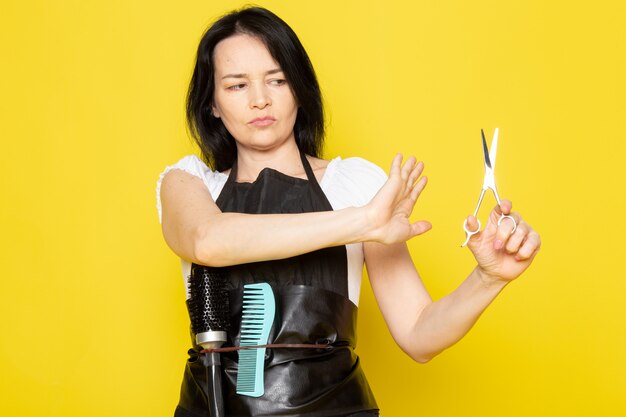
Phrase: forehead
[242,54]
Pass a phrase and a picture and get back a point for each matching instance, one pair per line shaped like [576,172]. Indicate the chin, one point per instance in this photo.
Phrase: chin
[266,144]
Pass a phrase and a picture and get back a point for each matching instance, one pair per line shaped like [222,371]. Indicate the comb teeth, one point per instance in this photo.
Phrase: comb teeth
[256,321]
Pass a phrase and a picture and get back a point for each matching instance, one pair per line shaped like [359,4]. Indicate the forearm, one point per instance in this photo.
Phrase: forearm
[197,230]
[234,238]
[444,322]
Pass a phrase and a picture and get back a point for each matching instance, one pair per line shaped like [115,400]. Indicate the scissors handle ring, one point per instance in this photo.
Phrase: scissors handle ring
[503,216]
[469,233]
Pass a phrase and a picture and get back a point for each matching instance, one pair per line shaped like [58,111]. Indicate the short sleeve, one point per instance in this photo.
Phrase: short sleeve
[193,165]
[352,182]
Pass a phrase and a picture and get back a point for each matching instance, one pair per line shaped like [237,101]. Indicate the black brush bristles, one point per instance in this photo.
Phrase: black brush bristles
[208,300]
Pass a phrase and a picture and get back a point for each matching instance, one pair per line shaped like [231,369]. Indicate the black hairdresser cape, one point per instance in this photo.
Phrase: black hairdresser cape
[312,307]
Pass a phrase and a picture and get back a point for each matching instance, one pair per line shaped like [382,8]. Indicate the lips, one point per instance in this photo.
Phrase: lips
[262,121]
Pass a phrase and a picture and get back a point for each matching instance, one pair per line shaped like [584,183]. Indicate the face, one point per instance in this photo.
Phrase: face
[252,96]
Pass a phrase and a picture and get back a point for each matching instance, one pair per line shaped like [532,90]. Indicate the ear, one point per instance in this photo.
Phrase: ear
[214,112]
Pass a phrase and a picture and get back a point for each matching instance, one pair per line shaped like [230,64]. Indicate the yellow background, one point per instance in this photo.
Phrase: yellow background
[92,301]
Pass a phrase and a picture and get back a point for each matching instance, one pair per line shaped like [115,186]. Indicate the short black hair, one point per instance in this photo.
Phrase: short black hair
[216,143]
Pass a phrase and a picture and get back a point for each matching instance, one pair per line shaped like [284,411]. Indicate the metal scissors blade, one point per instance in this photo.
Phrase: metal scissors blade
[490,154]
[494,149]
[486,150]
[489,183]
[489,180]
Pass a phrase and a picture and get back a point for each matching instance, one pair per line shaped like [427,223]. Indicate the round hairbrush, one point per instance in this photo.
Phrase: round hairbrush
[209,314]
[208,306]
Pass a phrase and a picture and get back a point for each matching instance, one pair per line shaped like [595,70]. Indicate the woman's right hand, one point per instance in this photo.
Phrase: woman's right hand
[389,211]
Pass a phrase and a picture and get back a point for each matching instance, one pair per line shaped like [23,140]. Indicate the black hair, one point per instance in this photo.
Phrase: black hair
[216,143]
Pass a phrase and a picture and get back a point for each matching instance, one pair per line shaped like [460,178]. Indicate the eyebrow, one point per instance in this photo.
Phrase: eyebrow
[270,72]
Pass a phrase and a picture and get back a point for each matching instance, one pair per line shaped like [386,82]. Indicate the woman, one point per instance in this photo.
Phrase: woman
[272,210]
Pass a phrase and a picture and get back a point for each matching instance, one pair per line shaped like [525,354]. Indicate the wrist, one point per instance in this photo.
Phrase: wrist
[489,280]
[365,225]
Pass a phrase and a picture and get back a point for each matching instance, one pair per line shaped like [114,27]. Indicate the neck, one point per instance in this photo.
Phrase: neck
[286,159]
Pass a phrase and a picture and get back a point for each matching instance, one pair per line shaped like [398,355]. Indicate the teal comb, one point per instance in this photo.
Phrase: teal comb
[256,321]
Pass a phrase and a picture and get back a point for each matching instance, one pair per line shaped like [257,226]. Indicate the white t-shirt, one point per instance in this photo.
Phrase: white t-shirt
[350,182]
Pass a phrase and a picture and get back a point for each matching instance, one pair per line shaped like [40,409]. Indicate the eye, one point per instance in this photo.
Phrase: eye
[278,81]
[236,87]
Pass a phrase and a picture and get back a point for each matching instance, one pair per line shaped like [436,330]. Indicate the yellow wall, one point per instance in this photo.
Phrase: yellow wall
[91,298]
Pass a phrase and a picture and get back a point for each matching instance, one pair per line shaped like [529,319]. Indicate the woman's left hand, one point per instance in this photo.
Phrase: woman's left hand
[501,254]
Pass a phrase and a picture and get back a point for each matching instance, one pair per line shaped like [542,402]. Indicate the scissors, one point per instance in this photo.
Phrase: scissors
[489,183]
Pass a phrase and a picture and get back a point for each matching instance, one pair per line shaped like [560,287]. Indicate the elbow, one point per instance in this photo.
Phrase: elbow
[422,359]
[421,356]
[206,251]
[414,345]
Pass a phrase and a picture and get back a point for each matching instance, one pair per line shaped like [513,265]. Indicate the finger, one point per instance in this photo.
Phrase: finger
[418,188]
[503,232]
[407,168]
[494,215]
[420,227]
[408,204]
[517,239]
[395,165]
[415,173]
[504,207]
[472,224]
[530,247]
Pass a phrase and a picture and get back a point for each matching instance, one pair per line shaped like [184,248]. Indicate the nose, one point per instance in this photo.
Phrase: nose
[259,96]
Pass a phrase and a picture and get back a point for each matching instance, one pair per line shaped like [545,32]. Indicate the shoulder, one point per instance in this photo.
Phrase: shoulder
[357,166]
[352,181]
[192,165]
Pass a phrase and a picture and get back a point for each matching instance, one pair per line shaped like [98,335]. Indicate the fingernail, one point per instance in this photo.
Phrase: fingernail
[497,244]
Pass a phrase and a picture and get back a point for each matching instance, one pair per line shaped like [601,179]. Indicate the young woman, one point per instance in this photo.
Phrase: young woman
[271,210]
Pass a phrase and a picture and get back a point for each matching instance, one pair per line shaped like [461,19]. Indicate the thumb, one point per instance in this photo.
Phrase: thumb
[472,223]
[420,227]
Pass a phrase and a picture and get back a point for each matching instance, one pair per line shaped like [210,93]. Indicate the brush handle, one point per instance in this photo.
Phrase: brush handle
[215,399]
